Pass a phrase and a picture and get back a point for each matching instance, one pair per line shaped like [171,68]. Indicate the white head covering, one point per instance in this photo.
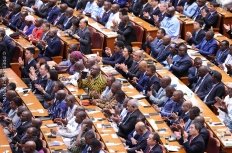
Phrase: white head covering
[30,18]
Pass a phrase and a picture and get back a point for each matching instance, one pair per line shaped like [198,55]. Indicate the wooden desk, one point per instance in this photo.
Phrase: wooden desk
[4,143]
[187,25]
[219,37]
[205,111]
[109,34]
[226,19]
[148,28]
[47,131]
[29,99]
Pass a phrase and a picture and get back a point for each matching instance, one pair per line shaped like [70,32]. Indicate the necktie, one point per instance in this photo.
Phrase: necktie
[126,118]
[205,99]
[199,82]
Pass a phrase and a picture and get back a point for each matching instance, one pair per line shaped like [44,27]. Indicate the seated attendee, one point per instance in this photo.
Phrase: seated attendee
[227,65]
[204,131]
[228,29]
[98,11]
[197,35]
[127,30]
[90,6]
[116,56]
[27,63]
[114,17]
[53,46]
[84,37]
[96,82]
[53,12]
[67,22]
[148,15]
[193,142]
[142,134]
[74,28]
[29,147]
[127,125]
[5,106]
[133,71]
[107,11]
[210,16]
[140,7]
[171,24]
[159,97]
[15,17]
[21,24]
[29,25]
[60,18]
[163,6]
[193,72]
[222,53]
[201,6]
[208,45]
[68,65]
[190,8]
[127,58]
[182,62]
[163,53]
[217,89]
[43,10]
[179,5]
[141,80]
[58,107]
[156,45]
[173,48]
[204,82]
[96,146]
[37,32]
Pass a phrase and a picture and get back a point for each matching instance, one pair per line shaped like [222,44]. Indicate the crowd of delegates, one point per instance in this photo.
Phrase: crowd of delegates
[106,91]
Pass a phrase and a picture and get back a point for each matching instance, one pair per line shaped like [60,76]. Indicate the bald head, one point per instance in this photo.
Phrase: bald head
[186,106]
[26,116]
[166,40]
[138,55]
[165,81]
[203,70]
[200,119]
[171,11]
[178,96]
[95,70]
[10,94]
[69,12]
[88,122]
[63,7]
[90,62]
[140,128]
[79,66]
[116,86]
[37,123]
[61,94]
[29,147]
[143,66]
[115,8]
[132,105]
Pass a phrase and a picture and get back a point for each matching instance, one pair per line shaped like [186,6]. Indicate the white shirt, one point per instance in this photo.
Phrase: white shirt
[228,102]
[228,61]
[106,94]
[112,17]
[70,112]
[90,7]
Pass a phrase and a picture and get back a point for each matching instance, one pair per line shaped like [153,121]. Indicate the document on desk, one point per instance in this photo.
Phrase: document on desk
[139,96]
[172,148]
[56,143]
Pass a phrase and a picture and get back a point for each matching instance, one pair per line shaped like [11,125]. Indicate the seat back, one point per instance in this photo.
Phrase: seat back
[218,26]
[91,30]
[213,145]
[139,33]
[97,42]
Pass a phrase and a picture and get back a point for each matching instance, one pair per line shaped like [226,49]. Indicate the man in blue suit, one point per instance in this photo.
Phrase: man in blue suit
[193,72]
[164,51]
[183,62]
[13,22]
[157,44]
[67,22]
[204,82]
[209,45]
[44,9]
[60,18]
[54,12]
[53,46]
[222,53]
[107,11]
[142,80]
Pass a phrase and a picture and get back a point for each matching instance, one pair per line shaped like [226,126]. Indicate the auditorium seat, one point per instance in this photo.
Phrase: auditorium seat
[139,36]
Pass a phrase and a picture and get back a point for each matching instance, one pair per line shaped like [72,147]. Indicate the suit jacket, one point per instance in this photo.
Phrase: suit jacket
[114,59]
[197,37]
[221,56]
[197,145]
[128,123]
[155,46]
[21,130]
[128,32]
[67,23]
[25,70]
[152,12]
[141,143]
[133,71]
[85,40]
[211,20]
[163,53]
[41,81]
[139,8]
[53,48]
[156,149]
[197,15]
[216,91]
[205,135]
[53,14]
[142,82]
[204,87]
[60,19]
[15,19]
[43,10]
[192,75]
[180,67]
[105,17]
[207,47]
[10,45]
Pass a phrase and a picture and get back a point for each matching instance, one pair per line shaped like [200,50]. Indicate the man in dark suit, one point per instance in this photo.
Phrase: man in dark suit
[127,125]
[141,6]
[106,14]
[26,118]
[15,18]
[141,81]
[153,82]
[60,18]
[143,133]
[222,53]
[148,16]
[217,89]
[211,17]
[43,10]
[155,45]
[182,63]
[164,51]
[204,82]
[193,72]
[228,29]
[84,37]
[67,21]
[28,63]
[201,6]
[116,57]
[133,71]
[193,142]
[54,12]
[208,45]
[197,35]
[152,144]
